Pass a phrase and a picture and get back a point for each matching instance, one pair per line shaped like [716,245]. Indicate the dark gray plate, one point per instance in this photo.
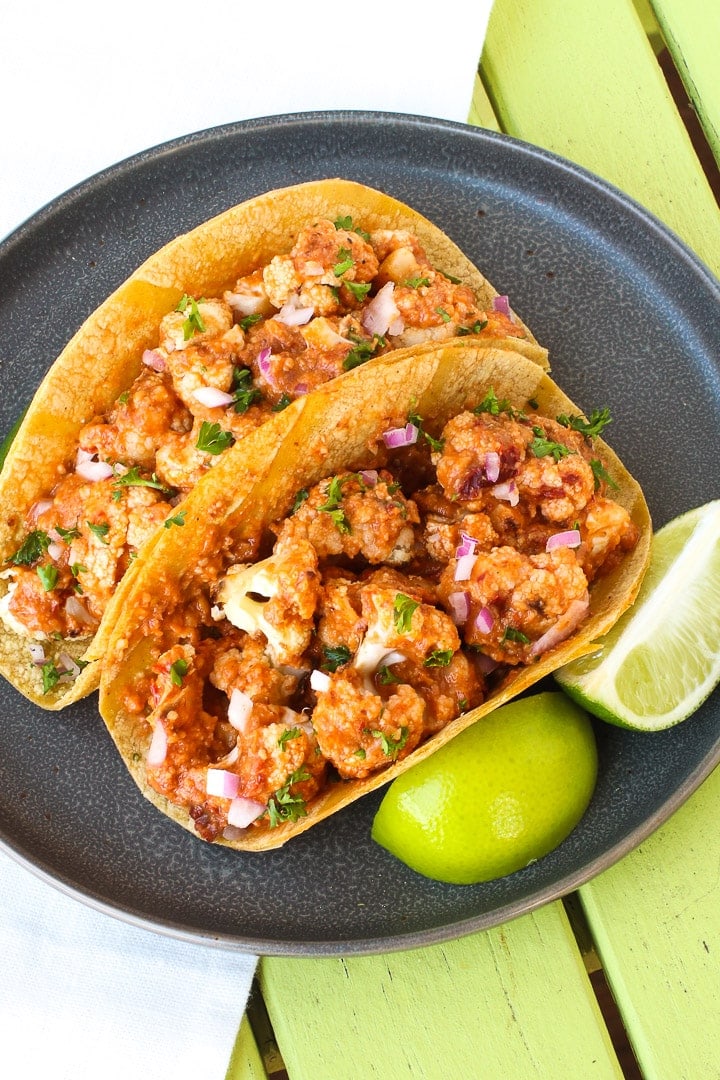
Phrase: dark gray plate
[632,321]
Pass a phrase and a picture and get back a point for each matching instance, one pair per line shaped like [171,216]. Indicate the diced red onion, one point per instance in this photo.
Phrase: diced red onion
[463,567]
[55,550]
[319,681]
[507,492]
[382,312]
[300,389]
[239,709]
[229,759]
[459,607]
[292,314]
[492,466]
[212,397]
[562,629]
[570,538]
[400,436]
[263,360]
[484,620]
[37,654]
[246,303]
[94,470]
[40,508]
[502,304]
[83,455]
[466,546]
[154,359]
[369,477]
[75,609]
[243,812]
[67,665]
[157,750]
[223,784]
[394,657]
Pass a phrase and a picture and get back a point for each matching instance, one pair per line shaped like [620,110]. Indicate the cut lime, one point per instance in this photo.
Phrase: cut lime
[502,793]
[662,658]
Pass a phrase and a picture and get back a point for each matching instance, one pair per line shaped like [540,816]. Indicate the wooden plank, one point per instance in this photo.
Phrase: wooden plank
[655,917]
[691,29]
[481,112]
[580,78]
[514,1002]
[245,1062]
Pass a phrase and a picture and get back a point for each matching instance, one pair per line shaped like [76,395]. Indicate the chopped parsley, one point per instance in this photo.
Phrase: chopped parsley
[599,419]
[332,506]
[493,405]
[390,746]
[403,609]
[443,314]
[132,478]
[244,393]
[435,444]
[193,319]
[124,398]
[287,735]
[178,670]
[416,282]
[100,531]
[363,351]
[544,447]
[33,548]
[360,753]
[177,519]
[385,676]
[212,439]
[511,634]
[283,805]
[601,474]
[439,658]
[249,320]
[50,676]
[299,500]
[359,289]
[477,328]
[336,656]
[346,223]
[48,576]
[282,403]
[67,534]
[344,263]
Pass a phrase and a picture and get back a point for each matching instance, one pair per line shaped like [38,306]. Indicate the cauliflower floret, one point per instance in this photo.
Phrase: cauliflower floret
[192,321]
[249,296]
[513,599]
[608,532]
[289,584]
[478,452]
[399,622]
[209,362]
[359,731]
[357,514]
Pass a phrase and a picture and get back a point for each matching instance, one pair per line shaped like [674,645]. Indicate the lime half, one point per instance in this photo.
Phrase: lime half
[662,658]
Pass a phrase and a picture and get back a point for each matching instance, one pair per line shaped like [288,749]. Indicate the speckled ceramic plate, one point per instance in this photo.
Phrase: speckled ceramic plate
[632,321]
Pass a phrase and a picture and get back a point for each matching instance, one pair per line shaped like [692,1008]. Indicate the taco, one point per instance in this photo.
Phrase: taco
[422,541]
[209,338]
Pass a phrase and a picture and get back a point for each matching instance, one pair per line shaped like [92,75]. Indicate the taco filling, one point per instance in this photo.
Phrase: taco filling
[388,602]
[221,366]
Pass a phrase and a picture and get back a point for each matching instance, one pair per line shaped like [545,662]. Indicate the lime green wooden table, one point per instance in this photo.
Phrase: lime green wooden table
[622,979]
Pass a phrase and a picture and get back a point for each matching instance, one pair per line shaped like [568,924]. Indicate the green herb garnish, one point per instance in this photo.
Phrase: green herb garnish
[511,634]
[385,676]
[67,534]
[178,670]
[287,735]
[177,519]
[193,319]
[493,405]
[244,393]
[403,609]
[435,444]
[100,531]
[544,447]
[299,500]
[336,656]
[283,805]
[132,478]
[476,328]
[344,263]
[416,282]
[390,746]
[439,658]
[33,548]
[601,474]
[48,576]
[212,439]
[282,403]
[599,419]
[50,676]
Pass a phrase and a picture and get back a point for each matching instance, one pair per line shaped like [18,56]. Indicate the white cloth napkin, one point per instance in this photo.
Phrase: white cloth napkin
[84,995]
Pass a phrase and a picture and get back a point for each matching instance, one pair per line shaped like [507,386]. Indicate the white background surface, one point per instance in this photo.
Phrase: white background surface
[83,995]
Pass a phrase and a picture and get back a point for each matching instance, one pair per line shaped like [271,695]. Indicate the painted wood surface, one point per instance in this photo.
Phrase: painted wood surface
[513,1002]
[580,78]
[691,30]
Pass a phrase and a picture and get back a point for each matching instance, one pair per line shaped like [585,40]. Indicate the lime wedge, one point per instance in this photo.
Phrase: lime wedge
[662,658]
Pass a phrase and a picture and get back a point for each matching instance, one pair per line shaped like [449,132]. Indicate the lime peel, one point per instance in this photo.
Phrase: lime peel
[661,661]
